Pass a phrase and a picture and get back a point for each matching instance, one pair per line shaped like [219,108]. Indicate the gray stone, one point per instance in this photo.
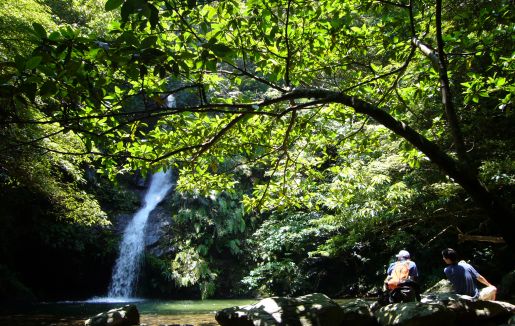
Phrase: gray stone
[470,310]
[415,314]
[507,287]
[125,316]
[358,313]
[442,286]
[441,309]
[157,229]
[309,310]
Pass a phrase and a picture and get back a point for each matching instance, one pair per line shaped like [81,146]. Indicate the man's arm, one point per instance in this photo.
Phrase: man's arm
[483,280]
[390,268]
[413,271]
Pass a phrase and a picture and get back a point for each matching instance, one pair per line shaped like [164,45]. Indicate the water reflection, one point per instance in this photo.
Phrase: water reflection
[73,313]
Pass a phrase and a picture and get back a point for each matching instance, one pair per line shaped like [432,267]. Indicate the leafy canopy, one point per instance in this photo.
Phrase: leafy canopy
[272,84]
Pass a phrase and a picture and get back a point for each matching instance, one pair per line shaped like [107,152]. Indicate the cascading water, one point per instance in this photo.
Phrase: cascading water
[126,270]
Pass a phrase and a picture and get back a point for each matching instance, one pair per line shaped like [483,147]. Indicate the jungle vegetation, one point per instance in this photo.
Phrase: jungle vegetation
[308,137]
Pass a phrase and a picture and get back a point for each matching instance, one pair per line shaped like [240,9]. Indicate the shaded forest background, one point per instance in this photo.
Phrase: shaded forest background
[332,228]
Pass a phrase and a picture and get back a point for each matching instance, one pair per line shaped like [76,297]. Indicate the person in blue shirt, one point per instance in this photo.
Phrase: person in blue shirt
[464,277]
[400,284]
[400,271]
[404,256]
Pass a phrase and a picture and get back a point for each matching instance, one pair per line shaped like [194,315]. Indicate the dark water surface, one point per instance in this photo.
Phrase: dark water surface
[153,313]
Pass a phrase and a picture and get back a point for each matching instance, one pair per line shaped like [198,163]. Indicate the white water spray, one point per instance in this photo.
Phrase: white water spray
[126,270]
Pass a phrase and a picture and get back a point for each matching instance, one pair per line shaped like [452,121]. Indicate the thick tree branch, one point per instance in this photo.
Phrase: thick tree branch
[218,136]
[439,62]
[93,153]
[427,51]
[447,99]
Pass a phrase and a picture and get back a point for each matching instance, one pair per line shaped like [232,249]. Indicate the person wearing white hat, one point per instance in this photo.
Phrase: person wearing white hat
[402,270]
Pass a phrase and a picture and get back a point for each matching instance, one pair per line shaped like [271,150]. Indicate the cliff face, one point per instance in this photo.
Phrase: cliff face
[158,236]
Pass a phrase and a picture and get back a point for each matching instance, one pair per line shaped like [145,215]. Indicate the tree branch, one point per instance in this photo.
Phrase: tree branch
[427,51]
[207,145]
[447,99]
[439,62]
[288,49]
[393,3]
[256,78]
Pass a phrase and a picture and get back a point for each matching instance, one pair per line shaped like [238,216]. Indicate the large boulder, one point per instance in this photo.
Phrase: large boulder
[415,314]
[442,286]
[313,309]
[442,309]
[446,309]
[468,310]
[507,287]
[511,321]
[125,316]
[358,313]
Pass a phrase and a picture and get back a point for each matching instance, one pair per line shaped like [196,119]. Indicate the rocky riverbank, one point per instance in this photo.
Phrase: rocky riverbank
[443,309]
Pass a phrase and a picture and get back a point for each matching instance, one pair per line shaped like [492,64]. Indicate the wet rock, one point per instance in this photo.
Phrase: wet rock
[358,313]
[313,309]
[415,314]
[442,286]
[125,316]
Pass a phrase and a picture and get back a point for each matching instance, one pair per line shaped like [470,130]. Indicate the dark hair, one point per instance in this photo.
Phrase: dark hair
[450,254]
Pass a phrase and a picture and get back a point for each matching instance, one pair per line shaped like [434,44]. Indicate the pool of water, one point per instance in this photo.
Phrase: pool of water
[182,312]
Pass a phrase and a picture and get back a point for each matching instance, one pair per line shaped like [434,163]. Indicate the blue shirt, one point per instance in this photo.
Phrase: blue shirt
[413,272]
[463,278]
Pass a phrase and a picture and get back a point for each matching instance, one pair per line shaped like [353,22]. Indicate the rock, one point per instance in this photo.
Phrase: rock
[468,310]
[507,287]
[442,286]
[157,230]
[358,313]
[432,298]
[313,309]
[125,316]
[442,309]
[486,310]
[415,314]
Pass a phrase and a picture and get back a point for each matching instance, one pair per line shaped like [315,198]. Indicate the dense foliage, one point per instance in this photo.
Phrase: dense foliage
[48,198]
[347,130]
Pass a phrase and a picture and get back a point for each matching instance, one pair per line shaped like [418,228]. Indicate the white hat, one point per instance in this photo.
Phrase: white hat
[403,254]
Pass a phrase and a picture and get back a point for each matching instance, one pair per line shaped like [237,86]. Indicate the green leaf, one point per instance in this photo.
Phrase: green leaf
[151,54]
[220,50]
[131,7]
[149,41]
[29,89]
[7,90]
[33,62]
[88,144]
[54,36]
[356,29]
[500,81]
[113,4]
[154,16]
[19,62]
[48,88]
[126,10]
[39,29]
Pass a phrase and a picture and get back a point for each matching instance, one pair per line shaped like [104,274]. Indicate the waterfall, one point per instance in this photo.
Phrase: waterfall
[126,270]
